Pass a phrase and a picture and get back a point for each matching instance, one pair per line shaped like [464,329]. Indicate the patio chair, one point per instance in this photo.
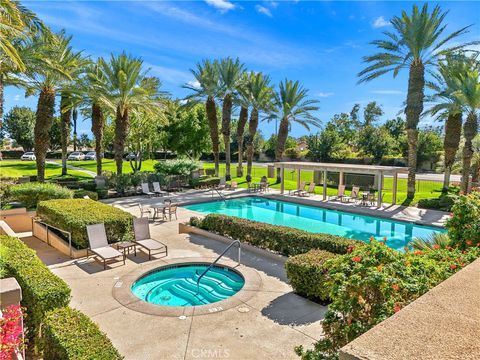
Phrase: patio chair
[340,193]
[310,190]
[354,195]
[169,211]
[146,190]
[264,186]
[98,244]
[144,240]
[300,188]
[158,190]
[233,186]
[144,210]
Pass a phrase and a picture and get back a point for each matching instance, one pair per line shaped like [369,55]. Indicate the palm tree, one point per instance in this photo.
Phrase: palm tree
[127,89]
[206,75]
[294,106]
[230,74]
[415,44]
[244,103]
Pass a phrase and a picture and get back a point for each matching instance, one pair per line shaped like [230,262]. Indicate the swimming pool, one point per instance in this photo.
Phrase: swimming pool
[319,220]
[177,285]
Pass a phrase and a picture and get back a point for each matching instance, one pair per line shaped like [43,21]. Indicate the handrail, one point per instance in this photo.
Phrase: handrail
[236,242]
[68,233]
[219,194]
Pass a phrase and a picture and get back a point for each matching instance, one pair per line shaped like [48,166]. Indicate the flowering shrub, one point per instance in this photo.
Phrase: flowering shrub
[372,283]
[464,223]
[11,338]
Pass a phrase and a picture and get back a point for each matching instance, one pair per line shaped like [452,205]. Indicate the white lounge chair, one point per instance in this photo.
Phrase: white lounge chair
[143,239]
[158,190]
[300,188]
[340,193]
[310,190]
[146,190]
[354,195]
[97,239]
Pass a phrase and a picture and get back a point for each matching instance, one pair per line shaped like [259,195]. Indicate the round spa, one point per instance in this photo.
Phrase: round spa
[177,285]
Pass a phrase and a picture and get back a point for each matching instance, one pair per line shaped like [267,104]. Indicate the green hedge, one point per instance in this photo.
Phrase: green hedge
[75,214]
[30,194]
[281,239]
[308,274]
[205,181]
[69,334]
[444,203]
[80,193]
[42,290]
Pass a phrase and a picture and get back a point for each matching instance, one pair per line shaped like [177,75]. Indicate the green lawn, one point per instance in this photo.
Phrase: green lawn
[18,168]
[109,165]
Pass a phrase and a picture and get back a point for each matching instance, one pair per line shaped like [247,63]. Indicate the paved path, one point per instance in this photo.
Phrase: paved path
[71,167]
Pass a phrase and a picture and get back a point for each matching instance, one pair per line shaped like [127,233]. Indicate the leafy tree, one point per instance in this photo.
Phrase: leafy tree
[55,135]
[371,113]
[429,146]
[346,127]
[19,124]
[326,145]
[415,44]
[375,142]
[395,127]
[84,141]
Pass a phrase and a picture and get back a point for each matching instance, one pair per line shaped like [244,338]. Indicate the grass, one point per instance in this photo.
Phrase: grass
[109,165]
[18,168]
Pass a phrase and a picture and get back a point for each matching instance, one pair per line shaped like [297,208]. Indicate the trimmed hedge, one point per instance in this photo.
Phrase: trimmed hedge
[308,274]
[205,181]
[69,334]
[80,193]
[444,202]
[74,215]
[30,194]
[281,239]
[42,290]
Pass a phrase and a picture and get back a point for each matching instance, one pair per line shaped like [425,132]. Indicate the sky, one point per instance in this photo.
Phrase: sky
[319,43]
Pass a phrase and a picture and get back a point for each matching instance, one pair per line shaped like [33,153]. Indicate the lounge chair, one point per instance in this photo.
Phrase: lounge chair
[143,239]
[158,190]
[354,195]
[300,188]
[310,190]
[340,193]
[97,239]
[146,190]
[233,186]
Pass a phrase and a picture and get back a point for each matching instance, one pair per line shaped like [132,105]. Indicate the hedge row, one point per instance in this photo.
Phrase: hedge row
[42,290]
[74,215]
[281,239]
[69,334]
[81,193]
[30,194]
[308,274]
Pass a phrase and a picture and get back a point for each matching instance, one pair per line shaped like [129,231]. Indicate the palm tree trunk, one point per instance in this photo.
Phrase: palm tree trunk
[451,142]
[242,121]
[65,115]
[1,100]
[74,118]
[252,130]
[121,132]
[98,124]
[43,123]
[413,110]
[211,110]
[281,141]
[226,118]
[470,129]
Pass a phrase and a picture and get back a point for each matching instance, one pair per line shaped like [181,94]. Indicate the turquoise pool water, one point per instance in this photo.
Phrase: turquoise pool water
[319,220]
[177,285]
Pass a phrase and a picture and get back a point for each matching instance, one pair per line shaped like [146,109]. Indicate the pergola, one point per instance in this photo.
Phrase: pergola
[377,170]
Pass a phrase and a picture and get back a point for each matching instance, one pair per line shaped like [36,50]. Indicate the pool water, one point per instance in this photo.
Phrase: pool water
[177,285]
[318,220]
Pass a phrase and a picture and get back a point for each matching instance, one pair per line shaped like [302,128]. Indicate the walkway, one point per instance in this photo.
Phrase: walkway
[71,167]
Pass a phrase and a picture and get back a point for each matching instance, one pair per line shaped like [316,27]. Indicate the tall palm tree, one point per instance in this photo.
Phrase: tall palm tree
[127,89]
[230,74]
[294,105]
[415,44]
[244,103]
[207,77]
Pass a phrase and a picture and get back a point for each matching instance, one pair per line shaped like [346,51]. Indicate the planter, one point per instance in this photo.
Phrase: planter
[40,231]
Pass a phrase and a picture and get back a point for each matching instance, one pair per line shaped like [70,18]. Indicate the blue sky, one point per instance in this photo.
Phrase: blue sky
[319,43]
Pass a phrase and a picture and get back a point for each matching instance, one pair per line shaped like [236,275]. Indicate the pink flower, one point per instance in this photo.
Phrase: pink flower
[357,259]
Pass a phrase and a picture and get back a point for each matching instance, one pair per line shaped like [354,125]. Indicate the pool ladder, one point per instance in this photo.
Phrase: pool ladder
[236,242]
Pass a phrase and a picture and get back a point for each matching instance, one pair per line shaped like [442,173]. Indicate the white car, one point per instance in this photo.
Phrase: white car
[30,155]
[76,156]
[91,155]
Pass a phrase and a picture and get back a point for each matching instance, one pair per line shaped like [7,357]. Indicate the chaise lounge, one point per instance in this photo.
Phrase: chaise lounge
[143,239]
[97,239]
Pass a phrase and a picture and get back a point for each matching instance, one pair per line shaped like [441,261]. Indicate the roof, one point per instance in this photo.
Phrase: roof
[337,167]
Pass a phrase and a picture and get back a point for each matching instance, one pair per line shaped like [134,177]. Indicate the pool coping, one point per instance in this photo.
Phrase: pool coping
[122,293]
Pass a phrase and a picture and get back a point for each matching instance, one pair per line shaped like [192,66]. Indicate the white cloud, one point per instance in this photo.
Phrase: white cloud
[16,98]
[263,10]
[194,83]
[325,94]
[169,75]
[222,5]
[272,4]
[380,22]
[388,92]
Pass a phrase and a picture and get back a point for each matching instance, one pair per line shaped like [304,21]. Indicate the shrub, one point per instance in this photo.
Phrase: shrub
[464,223]
[70,334]
[30,194]
[443,203]
[374,282]
[175,167]
[205,181]
[42,290]
[11,330]
[80,194]
[308,274]
[281,239]
[74,216]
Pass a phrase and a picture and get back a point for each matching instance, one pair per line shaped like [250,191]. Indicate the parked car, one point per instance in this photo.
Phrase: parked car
[91,155]
[29,155]
[77,156]
[130,156]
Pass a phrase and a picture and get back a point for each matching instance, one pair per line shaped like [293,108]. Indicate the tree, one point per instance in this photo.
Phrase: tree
[415,44]
[429,145]
[375,142]
[346,126]
[84,142]
[294,106]
[395,127]
[230,75]
[371,113]
[206,75]
[244,102]
[326,145]
[55,135]
[19,123]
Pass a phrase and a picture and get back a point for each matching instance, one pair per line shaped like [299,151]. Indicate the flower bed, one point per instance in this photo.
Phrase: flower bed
[74,215]
[11,332]
[464,223]
[281,239]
